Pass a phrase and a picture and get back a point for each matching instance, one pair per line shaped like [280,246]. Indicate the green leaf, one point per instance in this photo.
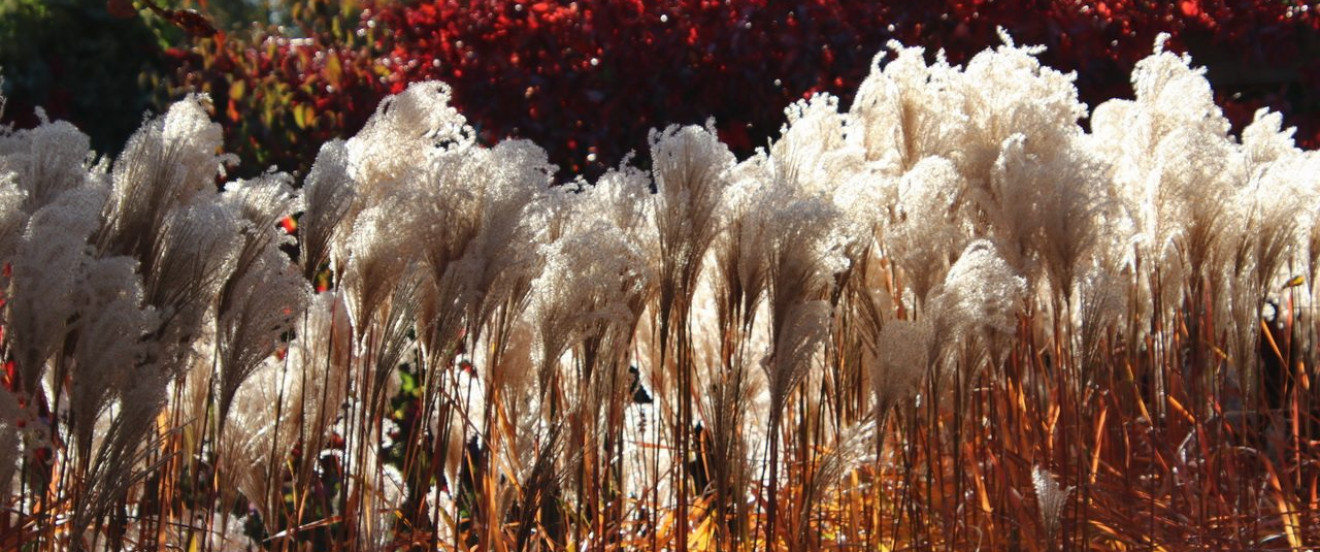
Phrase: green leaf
[408,382]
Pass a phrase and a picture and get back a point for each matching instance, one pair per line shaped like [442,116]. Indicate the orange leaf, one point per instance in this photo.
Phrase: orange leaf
[1178,407]
[1099,440]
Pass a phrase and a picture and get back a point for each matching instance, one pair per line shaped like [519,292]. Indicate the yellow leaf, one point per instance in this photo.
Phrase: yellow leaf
[1290,522]
[237,89]
[702,536]
[333,70]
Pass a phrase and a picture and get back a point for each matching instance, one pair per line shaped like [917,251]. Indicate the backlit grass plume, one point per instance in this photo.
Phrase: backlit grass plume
[901,324]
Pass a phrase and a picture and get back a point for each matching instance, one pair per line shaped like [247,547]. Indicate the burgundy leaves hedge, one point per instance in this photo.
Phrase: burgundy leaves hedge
[588,79]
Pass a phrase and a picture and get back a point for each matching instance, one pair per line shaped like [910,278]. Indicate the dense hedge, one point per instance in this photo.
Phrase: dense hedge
[592,77]
[588,79]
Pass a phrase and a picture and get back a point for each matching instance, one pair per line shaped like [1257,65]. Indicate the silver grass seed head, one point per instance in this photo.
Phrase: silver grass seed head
[418,122]
[902,357]
[1176,93]
[269,300]
[981,295]
[46,270]
[167,164]
[1051,499]
[112,343]
[924,226]
[805,327]
[690,168]
[328,195]
[1266,140]
[46,161]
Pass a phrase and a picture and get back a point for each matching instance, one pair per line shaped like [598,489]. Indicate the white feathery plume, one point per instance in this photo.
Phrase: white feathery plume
[816,138]
[1280,199]
[690,169]
[289,404]
[1007,91]
[406,130]
[1075,212]
[1265,139]
[803,328]
[804,251]
[980,297]
[447,219]
[1045,206]
[590,282]
[328,196]
[1198,173]
[818,155]
[901,357]
[46,272]
[111,347]
[320,355]
[118,461]
[267,298]
[1171,157]
[506,246]
[1177,94]
[1102,297]
[925,229]
[1008,201]
[392,329]
[165,164]
[372,256]
[12,216]
[188,129]
[878,111]
[1050,499]
[740,269]
[910,110]
[619,196]
[1267,229]
[259,205]
[192,257]
[863,197]
[473,218]
[48,160]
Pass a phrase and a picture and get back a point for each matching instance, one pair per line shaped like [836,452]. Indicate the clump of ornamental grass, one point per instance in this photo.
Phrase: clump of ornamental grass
[900,324]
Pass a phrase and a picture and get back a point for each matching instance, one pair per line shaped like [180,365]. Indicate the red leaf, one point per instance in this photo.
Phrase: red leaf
[121,9]
[1190,8]
[289,224]
[192,23]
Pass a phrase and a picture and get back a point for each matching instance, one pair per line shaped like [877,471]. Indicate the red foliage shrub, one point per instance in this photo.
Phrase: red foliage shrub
[588,79]
[592,77]
[280,98]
